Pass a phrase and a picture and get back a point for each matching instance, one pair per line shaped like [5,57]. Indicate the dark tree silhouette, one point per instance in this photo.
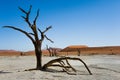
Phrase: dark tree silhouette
[33,36]
[37,42]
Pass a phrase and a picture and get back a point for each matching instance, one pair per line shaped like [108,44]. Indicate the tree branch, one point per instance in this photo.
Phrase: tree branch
[27,15]
[48,39]
[23,10]
[47,29]
[34,22]
[22,31]
[32,34]
[29,11]
[64,67]
[40,31]
[70,65]
[42,35]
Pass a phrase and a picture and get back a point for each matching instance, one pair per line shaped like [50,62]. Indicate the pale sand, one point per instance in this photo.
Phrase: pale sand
[103,67]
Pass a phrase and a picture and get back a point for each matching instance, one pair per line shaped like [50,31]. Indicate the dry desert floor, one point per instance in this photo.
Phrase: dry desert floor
[103,67]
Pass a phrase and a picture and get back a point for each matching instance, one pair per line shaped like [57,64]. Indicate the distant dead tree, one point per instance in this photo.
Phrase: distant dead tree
[52,51]
[49,50]
[37,42]
[22,54]
[78,52]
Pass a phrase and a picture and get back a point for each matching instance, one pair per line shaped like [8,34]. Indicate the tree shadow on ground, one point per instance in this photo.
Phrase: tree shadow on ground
[4,72]
[71,73]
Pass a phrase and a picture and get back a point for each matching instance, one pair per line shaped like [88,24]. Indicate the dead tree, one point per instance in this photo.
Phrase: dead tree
[49,50]
[78,52]
[55,51]
[37,42]
[33,36]
[52,51]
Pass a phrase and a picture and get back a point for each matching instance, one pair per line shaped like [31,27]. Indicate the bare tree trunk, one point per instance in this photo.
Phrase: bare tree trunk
[49,50]
[79,52]
[38,54]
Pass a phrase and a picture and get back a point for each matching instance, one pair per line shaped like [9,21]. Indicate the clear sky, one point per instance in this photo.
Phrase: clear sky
[74,22]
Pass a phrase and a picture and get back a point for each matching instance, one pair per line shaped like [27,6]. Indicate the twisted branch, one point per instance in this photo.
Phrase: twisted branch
[26,18]
[43,34]
[34,22]
[24,32]
[47,29]
[63,66]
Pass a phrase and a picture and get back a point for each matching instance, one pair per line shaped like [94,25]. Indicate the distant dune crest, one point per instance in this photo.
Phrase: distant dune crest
[8,51]
[77,46]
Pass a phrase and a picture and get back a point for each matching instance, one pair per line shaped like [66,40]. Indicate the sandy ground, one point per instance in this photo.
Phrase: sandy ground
[103,67]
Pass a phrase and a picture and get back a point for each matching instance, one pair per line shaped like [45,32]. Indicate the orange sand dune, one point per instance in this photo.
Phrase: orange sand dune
[9,53]
[70,50]
[74,50]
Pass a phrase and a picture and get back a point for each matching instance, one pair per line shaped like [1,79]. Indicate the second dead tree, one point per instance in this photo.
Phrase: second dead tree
[52,51]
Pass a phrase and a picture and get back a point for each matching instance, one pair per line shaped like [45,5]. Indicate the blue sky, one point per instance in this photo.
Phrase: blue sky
[74,22]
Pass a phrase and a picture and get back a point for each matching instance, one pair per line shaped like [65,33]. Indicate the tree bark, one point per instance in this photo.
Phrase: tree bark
[38,59]
[38,53]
